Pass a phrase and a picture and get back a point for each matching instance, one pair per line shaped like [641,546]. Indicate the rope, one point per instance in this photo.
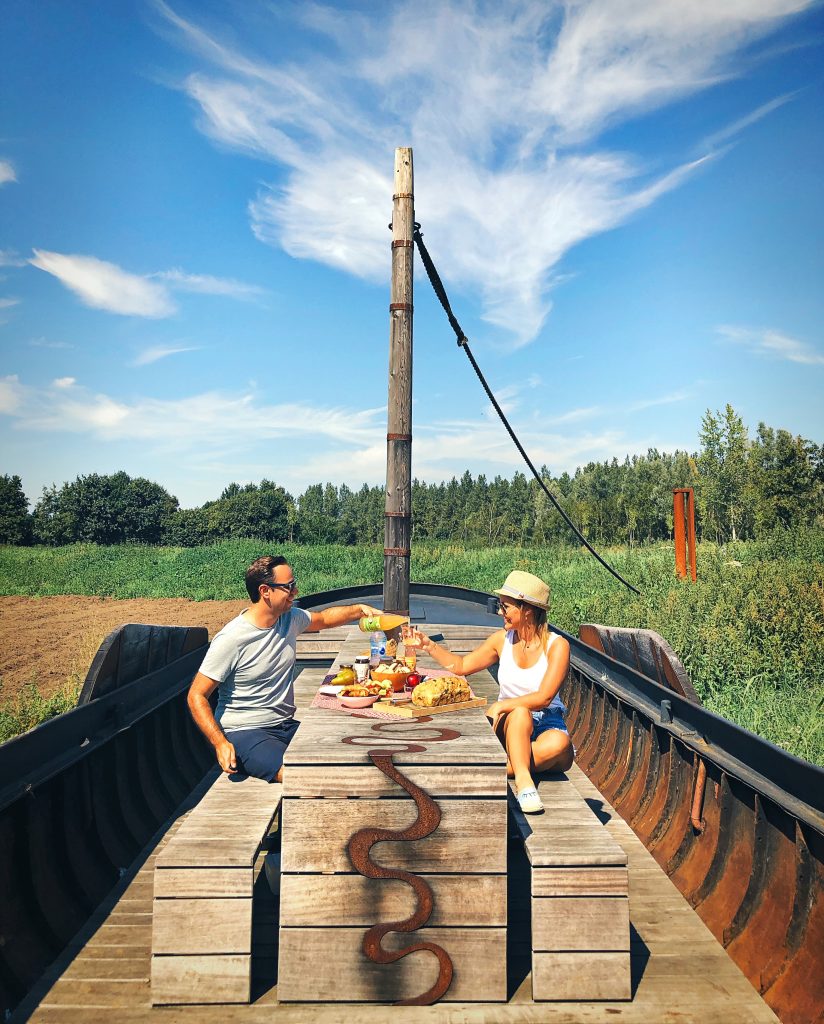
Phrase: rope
[463,341]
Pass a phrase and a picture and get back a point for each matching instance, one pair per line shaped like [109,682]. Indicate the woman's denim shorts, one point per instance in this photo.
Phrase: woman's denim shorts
[547,718]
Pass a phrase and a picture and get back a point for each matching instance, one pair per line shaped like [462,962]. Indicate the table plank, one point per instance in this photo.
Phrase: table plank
[470,838]
[326,737]
[366,781]
[335,900]
[317,965]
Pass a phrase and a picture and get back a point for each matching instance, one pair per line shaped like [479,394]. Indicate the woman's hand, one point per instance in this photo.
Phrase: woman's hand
[422,640]
[494,713]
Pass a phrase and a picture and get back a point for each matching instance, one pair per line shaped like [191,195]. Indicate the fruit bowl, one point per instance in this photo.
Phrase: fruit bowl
[357,702]
[397,679]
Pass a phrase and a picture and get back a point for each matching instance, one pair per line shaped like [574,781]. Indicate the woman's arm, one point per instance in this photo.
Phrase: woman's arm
[482,657]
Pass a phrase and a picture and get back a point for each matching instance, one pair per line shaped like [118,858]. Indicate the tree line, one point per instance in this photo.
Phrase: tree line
[744,487]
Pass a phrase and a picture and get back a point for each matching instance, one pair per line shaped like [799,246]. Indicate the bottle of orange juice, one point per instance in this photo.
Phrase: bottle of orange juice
[384,622]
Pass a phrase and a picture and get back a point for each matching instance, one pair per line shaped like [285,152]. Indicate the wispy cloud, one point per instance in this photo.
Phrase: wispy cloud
[205,284]
[209,434]
[509,396]
[504,104]
[9,258]
[158,352]
[769,342]
[649,403]
[577,415]
[715,140]
[11,395]
[103,285]
[214,417]
[8,303]
[7,172]
[46,343]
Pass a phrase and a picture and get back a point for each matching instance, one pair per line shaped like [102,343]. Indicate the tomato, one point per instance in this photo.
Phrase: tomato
[413,679]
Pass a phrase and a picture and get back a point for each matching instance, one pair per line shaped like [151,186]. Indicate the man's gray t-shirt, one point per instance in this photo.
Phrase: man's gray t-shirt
[254,668]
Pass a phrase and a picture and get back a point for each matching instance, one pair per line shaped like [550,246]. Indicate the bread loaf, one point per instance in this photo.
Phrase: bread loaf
[443,690]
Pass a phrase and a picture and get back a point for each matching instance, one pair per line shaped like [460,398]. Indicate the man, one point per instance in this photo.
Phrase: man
[252,660]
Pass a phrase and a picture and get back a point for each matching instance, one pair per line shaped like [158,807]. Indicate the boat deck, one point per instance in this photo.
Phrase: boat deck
[679,972]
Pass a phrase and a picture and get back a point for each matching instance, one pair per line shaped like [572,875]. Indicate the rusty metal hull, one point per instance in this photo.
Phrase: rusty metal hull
[751,862]
[80,797]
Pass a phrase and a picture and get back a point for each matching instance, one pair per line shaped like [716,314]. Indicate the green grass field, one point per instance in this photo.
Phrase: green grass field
[750,631]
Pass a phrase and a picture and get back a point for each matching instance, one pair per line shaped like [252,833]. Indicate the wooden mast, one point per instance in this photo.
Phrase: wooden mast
[398,523]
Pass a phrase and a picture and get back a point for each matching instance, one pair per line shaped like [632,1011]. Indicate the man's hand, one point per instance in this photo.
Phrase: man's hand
[226,758]
[340,615]
[368,611]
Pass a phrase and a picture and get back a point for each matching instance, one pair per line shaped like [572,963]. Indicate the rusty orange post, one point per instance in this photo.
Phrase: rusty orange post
[683,509]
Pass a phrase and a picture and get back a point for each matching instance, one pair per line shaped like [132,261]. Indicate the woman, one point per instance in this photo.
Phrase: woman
[528,716]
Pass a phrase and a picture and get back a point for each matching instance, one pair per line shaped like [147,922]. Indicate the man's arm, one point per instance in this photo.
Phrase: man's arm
[201,711]
[339,616]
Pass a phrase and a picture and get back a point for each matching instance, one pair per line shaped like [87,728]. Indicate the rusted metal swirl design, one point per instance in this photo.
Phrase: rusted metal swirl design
[359,847]
[397,743]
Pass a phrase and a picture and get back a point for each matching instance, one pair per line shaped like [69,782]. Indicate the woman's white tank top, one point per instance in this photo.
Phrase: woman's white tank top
[515,681]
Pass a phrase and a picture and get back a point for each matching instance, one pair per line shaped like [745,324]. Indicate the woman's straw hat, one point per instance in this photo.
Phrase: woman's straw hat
[523,586]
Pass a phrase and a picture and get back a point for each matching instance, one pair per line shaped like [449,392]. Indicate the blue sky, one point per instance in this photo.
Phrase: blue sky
[623,197]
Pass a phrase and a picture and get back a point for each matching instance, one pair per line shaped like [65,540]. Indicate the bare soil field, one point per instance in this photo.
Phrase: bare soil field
[45,640]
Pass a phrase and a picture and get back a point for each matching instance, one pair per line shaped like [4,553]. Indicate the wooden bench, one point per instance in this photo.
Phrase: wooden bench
[202,908]
[579,898]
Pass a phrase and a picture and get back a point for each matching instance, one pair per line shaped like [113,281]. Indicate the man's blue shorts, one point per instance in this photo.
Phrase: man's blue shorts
[259,752]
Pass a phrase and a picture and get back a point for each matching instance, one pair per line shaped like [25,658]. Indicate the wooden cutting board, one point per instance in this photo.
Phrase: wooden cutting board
[410,710]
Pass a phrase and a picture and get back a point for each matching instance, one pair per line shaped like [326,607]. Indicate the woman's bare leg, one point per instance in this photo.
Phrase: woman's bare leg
[517,737]
[552,751]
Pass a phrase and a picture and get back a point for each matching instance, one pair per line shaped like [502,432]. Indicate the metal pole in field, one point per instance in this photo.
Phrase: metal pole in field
[691,532]
[683,516]
[680,532]
[398,523]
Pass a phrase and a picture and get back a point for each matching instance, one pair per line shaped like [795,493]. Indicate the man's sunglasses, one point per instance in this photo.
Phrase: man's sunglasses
[291,586]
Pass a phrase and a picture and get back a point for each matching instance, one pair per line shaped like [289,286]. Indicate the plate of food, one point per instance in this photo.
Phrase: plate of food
[329,690]
[361,695]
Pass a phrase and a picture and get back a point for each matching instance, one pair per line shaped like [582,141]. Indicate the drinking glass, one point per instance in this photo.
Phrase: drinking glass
[409,636]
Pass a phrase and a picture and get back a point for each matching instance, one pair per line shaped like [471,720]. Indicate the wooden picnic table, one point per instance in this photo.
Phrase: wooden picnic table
[332,789]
